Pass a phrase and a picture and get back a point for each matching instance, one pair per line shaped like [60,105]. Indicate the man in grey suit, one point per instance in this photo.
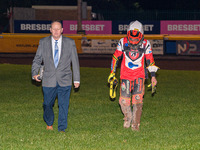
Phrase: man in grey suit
[57,53]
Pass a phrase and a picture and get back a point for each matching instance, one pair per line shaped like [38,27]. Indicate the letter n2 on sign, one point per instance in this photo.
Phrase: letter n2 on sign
[186,48]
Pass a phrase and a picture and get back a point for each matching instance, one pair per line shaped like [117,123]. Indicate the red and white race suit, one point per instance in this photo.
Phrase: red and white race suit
[133,60]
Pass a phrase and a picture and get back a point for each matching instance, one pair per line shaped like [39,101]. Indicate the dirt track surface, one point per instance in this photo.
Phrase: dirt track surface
[169,62]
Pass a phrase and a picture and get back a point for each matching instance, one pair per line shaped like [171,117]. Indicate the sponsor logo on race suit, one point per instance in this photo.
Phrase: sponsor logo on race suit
[137,97]
[133,64]
[123,86]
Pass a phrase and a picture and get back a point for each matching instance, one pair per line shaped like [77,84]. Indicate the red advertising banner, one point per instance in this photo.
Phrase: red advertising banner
[180,27]
[90,27]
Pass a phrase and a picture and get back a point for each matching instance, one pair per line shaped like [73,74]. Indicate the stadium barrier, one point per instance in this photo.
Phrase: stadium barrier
[181,37]
[28,43]
[182,44]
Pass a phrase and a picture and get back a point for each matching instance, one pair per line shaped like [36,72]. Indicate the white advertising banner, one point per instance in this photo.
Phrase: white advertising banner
[157,47]
[98,46]
[108,46]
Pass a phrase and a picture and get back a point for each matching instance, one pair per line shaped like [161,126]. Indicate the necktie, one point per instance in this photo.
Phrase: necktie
[56,54]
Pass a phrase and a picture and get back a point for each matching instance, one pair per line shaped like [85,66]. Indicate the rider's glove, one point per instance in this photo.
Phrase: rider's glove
[111,77]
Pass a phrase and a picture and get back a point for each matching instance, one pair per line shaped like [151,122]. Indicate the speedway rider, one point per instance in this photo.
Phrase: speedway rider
[136,53]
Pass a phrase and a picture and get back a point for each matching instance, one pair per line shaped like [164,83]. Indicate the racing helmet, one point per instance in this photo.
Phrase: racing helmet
[135,33]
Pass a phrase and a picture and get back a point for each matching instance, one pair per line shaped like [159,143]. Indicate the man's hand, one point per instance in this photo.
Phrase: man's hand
[76,85]
[153,85]
[36,78]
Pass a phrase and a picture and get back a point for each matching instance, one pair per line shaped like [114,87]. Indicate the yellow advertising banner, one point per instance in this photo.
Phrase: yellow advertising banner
[19,43]
[27,43]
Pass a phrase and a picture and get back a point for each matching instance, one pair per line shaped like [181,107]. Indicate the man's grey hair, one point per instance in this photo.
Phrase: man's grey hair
[58,22]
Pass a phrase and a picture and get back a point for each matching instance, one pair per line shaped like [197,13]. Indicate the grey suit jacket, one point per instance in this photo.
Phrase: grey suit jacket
[63,73]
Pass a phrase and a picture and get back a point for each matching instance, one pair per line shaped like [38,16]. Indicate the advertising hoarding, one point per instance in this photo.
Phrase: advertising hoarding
[90,27]
[108,46]
[184,47]
[31,26]
[98,46]
[150,27]
[157,47]
[180,27]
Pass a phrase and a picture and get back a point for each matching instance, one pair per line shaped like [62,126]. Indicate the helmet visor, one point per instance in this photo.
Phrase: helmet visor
[134,36]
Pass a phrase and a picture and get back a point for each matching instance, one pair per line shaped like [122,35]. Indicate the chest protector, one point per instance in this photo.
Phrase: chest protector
[133,53]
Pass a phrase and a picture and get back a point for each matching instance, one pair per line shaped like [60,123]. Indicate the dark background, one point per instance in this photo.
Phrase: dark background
[109,4]
[116,9]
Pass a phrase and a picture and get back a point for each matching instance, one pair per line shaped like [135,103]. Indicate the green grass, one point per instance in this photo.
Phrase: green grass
[170,119]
